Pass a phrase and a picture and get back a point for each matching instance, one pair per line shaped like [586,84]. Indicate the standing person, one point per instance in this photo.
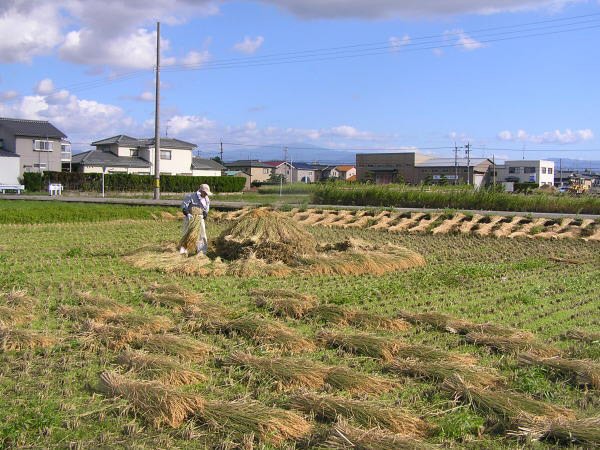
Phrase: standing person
[195,208]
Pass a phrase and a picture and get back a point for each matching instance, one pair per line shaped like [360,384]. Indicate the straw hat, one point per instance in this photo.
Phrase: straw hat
[205,188]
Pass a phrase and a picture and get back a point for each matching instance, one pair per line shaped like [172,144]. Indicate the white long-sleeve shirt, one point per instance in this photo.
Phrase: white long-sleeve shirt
[195,199]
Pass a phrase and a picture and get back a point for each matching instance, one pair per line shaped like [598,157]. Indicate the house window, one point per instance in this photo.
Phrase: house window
[528,169]
[40,166]
[136,152]
[165,154]
[550,170]
[543,170]
[514,170]
[266,171]
[42,146]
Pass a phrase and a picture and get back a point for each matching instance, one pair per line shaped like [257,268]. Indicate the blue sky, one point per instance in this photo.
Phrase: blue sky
[444,72]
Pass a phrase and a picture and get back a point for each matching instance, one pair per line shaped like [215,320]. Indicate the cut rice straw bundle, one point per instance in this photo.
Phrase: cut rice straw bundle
[167,259]
[584,431]
[511,344]
[253,266]
[97,335]
[12,339]
[426,353]
[190,237]
[17,298]
[287,306]
[159,368]
[445,322]
[157,403]
[290,372]
[439,371]
[272,425]
[211,317]
[369,414]
[103,302]
[340,315]
[14,316]
[583,336]
[355,382]
[345,437]
[510,408]
[360,344]
[581,371]
[142,323]
[175,345]
[84,312]
[266,332]
[171,296]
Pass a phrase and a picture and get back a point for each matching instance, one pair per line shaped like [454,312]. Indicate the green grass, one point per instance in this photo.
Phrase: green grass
[47,400]
[447,197]
[28,212]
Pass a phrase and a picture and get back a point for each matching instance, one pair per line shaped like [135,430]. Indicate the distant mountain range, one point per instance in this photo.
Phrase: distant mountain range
[575,164]
[296,152]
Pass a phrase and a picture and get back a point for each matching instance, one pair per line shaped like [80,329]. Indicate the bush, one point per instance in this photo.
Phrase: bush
[121,182]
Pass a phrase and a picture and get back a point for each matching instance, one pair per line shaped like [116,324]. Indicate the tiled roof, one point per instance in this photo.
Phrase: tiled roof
[247,163]
[107,159]
[344,168]
[120,139]
[5,154]
[129,141]
[206,164]
[449,162]
[32,128]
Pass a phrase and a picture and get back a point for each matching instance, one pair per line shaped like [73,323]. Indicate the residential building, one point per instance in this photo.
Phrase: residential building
[66,156]
[239,173]
[284,168]
[37,142]
[343,172]
[10,165]
[131,155]
[306,173]
[475,171]
[527,171]
[257,170]
[202,167]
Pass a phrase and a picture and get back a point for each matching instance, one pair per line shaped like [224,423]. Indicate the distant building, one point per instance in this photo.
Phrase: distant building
[202,167]
[125,154]
[37,142]
[416,168]
[540,172]
[10,165]
[257,170]
[284,168]
[343,172]
[239,173]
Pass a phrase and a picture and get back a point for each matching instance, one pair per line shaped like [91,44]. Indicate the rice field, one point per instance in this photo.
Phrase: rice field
[98,353]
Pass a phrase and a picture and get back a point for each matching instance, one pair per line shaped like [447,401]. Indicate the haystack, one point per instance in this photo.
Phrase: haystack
[366,413]
[268,235]
[157,403]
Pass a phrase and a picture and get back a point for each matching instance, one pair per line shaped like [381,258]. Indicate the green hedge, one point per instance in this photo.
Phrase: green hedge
[395,196]
[120,182]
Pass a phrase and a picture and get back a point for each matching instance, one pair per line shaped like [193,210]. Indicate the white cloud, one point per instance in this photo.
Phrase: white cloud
[396,43]
[549,137]
[311,9]
[44,87]
[468,43]
[8,95]
[146,96]
[28,28]
[194,58]
[249,45]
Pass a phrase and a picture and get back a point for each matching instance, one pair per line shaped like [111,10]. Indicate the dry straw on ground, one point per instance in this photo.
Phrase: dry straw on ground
[445,322]
[141,323]
[97,335]
[442,370]
[360,344]
[172,296]
[355,382]
[583,372]
[340,315]
[159,368]
[16,307]
[585,432]
[157,403]
[345,437]
[583,336]
[175,345]
[271,425]
[365,413]
[511,344]
[509,408]
[103,302]
[15,339]
[285,303]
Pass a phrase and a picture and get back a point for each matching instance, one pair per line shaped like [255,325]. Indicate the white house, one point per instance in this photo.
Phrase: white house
[130,155]
[202,167]
[289,172]
[527,171]
[10,165]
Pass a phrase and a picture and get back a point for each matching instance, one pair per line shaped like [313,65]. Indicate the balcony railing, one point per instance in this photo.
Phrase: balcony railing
[65,156]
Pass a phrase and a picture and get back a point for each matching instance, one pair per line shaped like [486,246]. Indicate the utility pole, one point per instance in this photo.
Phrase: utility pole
[494,165]
[455,164]
[560,178]
[221,152]
[157,119]
[468,153]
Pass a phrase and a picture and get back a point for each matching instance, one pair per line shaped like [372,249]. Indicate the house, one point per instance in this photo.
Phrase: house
[37,142]
[257,170]
[10,165]
[307,173]
[416,168]
[125,154]
[540,172]
[202,167]
[284,168]
[342,172]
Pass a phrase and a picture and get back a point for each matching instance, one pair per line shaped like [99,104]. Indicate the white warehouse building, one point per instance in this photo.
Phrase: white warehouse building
[527,171]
